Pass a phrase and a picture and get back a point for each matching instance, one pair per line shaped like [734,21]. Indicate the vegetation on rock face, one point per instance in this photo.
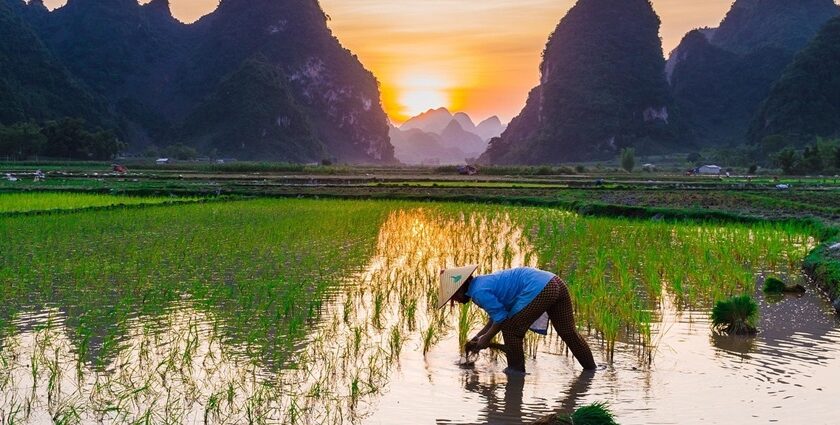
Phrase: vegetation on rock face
[736,316]
[33,83]
[276,125]
[311,98]
[721,76]
[805,102]
[751,25]
[589,105]
[717,91]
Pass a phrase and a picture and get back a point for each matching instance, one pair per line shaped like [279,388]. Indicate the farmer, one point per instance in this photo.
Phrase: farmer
[514,299]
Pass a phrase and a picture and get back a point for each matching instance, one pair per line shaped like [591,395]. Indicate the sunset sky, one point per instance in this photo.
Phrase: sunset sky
[480,57]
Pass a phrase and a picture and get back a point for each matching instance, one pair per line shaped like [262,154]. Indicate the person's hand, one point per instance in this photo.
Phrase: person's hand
[471,344]
[482,343]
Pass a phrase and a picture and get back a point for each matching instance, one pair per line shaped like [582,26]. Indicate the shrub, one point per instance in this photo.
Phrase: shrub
[736,316]
[628,159]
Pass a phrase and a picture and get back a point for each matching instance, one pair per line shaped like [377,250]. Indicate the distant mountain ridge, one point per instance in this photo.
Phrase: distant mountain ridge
[436,121]
[417,147]
[438,136]
[166,82]
[720,76]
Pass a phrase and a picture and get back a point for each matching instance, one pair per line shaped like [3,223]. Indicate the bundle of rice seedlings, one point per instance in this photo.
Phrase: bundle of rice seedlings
[736,316]
[774,285]
[593,414]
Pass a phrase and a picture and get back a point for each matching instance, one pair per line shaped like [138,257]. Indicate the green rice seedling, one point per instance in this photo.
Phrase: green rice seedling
[736,316]
[347,311]
[265,323]
[355,391]
[395,343]
[357,340]
[411,313]
[430,336]
[464,324]
[49,201]
[378,303]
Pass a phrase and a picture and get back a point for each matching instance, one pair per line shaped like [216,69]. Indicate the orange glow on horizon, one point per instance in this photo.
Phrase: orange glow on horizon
[485,54]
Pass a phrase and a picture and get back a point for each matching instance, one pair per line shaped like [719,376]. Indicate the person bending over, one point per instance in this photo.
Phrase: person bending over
[514,299]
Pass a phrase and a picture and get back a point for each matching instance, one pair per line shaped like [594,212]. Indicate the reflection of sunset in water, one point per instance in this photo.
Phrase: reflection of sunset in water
[377,353]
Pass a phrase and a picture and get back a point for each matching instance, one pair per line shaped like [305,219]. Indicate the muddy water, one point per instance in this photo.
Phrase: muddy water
[788,374]
[364,360]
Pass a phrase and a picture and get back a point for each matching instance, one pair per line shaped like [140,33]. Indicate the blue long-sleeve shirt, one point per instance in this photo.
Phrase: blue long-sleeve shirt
[505,293]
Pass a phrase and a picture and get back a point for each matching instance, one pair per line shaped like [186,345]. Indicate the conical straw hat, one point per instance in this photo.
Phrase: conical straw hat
[451,281]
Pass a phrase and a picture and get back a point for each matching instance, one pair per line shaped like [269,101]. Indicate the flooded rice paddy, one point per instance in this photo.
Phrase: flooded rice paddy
[296,311]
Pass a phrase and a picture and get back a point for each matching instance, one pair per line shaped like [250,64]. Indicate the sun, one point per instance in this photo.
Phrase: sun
[419,92]
[414,102]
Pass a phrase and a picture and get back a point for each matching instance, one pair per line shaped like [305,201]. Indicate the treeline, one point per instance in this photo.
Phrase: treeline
[822,157]
[791,155]
[68,138]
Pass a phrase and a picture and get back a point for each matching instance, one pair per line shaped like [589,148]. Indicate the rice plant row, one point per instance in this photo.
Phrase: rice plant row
[49,201]
[293,311]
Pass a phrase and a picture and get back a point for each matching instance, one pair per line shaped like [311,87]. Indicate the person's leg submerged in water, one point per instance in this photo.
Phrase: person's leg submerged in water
[515,328]
[562,317]
[557,302]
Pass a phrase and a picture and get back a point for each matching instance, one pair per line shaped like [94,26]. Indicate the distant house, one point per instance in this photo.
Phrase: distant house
[710,170]
[161,161]
[649,167]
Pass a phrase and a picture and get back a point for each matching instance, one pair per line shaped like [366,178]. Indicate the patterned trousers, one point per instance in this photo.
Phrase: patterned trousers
[556,301]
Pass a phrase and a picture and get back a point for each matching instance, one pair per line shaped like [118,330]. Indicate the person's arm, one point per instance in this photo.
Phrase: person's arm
[498,314]
[482,331]
[488,336]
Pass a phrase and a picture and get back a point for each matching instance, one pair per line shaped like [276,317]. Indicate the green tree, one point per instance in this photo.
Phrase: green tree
[21,141]
[628,159]
[837,157]
[812,161]
[180,152]
[787,159]
[68,138]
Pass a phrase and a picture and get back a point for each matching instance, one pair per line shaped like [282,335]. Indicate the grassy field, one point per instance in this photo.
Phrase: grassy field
[297,311]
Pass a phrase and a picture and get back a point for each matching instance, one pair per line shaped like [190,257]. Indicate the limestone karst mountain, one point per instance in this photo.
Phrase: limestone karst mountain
[805,103]
[589,106]
[720,76]
[166,82]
